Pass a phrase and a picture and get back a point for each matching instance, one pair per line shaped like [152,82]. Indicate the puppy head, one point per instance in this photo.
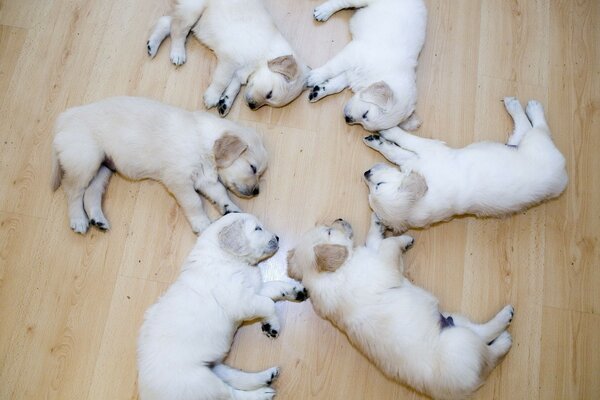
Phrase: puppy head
[276,83]
[393,192]
[378,107]
[244,237]
[241,159]
[321,250]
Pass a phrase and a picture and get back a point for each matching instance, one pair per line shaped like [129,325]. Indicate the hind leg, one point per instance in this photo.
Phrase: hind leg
[242,380]
[499,347]
[159,33]
[191,204]
[522,124]
[535,113]
[92,199]
[491,329]
[184,17]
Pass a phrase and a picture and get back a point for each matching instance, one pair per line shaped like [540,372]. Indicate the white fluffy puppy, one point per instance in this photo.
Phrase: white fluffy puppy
[189,152]
[188,332]
[436,182]
[249,47]
[379,64]
[397,325]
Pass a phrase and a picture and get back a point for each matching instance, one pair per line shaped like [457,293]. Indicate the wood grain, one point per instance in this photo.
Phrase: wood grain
[71,306]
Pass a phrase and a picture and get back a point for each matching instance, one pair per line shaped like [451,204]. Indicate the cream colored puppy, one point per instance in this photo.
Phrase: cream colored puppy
[379,64]
[396,324]
[250,50]
[436,182]
[189,152]
[188,332]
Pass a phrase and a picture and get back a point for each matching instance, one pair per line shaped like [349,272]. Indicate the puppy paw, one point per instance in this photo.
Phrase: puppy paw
[266,393]
[199,224]
[270,330]
[99,221]
[535,111]
[79,225]
[299,293]
[224,105]
[506,315]
[230,208]
[316,77]
[406,242]
[152,47]
[178,56]
[317,93]
[272,374]
[512,104]
[502,344]
[412,123]
[322,12]
[373,141]
[377,224]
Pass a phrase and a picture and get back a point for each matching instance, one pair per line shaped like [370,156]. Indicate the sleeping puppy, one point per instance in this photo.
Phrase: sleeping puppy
[188,332]
[436,182]
[397,325]
[379,64]
[189,152]
[249,47]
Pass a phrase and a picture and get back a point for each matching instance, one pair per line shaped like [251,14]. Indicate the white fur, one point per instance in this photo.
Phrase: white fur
[188,332]
[142,138]
[244,38]
[387,37]
[436,182]
[393,322]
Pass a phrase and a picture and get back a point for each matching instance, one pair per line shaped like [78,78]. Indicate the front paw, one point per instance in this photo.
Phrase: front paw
[316,77]
[373,141]
[152,47]
[270,330]
[298,293]
[211,98]
[230,208]
[224,105]
[322,13]
[178,56]
[317,93]
[199,224]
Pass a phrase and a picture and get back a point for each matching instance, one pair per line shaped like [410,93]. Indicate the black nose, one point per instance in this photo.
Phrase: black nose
[252,105]
[348,119]
[277,238]
[368,174]
[255,192]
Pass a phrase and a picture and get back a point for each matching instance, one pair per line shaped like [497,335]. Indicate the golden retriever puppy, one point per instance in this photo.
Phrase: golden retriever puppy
[188,332]
[396,324]
[250,50]
[189,152]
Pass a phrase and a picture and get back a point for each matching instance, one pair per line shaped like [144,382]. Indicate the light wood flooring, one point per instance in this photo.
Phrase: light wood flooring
[71,306]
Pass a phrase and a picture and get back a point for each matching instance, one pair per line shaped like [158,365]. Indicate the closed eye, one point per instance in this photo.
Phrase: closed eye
[365,114]
[377,186]
[269,95]
[253,168]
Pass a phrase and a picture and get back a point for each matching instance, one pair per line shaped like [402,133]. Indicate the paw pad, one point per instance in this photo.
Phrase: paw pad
[269,331]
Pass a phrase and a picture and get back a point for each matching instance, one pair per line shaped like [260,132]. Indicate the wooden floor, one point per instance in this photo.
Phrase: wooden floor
[71,306]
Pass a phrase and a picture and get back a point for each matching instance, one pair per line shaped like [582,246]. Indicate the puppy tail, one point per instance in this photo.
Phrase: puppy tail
[57,171]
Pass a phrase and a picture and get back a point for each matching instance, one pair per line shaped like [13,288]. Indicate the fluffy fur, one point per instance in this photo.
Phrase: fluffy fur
[188,332]
[188,152]
[397,325]
[436,182]
[379,64]
[249,47]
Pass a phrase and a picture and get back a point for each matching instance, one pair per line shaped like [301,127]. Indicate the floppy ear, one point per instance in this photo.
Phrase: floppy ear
[284,65]
[415,184]
[290,255]
[233,240]
[227,149]
[291,266]
[379,93]
[330,257]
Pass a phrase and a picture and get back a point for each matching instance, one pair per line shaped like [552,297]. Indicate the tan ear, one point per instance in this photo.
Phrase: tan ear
[330,257]
[233,240]
[290,255]
[379,93]
[284,65]
[227,149]
[415,184]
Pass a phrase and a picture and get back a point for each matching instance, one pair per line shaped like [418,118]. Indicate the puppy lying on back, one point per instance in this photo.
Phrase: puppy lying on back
[397,325]
[188,152]
[379,64]
[436,182]
[249,47]
[188,332]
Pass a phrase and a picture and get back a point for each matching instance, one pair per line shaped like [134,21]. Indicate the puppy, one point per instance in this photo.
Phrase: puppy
[397,325]
[188,152]
[249,47]
[188,332]
[436,182]
[379,64]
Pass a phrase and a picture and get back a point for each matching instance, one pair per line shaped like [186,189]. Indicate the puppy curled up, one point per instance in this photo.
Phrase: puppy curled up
[189,152]
[188,332]
[396,324]
[250,51]
[436,182]
[378,65]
